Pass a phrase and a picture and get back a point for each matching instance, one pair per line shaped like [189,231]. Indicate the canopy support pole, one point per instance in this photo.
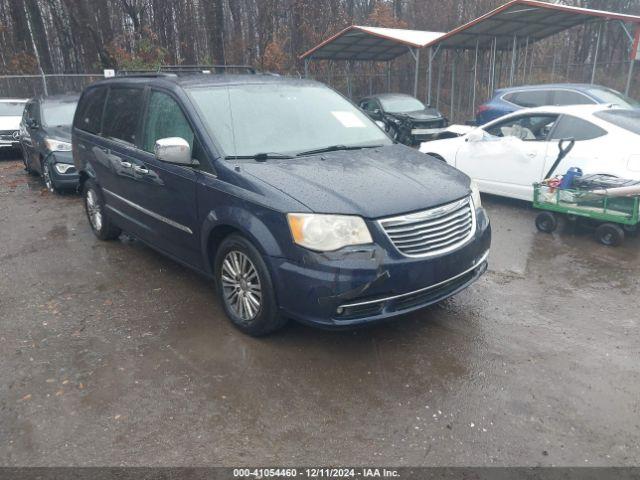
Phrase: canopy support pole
[475,77]
[306,68]
[429,78]
[389,76]
[632,56]
[629,77]
[453,83]
[438,88]
[513,60]
[493,65]
[348,78]
[526,57]
[415,53]
[595,55]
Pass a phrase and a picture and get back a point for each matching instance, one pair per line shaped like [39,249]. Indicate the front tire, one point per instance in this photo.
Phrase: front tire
[245,288]
[101,224]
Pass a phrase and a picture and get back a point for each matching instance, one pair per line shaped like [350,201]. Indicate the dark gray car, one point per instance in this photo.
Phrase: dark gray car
[45,138]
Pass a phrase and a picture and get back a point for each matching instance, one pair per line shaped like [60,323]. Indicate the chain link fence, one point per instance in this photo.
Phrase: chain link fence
[453,94]
[27,86]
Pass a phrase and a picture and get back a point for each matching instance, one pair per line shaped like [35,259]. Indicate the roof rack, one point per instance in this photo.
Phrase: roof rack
[180,70]
[143,73]
[191,69]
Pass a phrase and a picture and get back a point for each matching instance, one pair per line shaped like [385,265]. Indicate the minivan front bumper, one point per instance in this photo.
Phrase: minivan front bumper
[374,283]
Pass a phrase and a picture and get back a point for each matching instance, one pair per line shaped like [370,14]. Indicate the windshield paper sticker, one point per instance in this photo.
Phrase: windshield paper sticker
[348,119]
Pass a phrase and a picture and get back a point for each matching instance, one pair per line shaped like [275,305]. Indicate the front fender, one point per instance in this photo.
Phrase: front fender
[257,225]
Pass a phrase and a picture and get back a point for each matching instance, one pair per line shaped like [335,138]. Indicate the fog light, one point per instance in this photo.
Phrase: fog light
[339,310]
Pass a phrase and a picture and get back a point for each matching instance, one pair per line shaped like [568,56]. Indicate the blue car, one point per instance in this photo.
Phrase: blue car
[508,100]
[282,191]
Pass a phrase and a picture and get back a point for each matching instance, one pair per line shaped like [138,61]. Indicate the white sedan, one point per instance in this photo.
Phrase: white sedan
[506,156]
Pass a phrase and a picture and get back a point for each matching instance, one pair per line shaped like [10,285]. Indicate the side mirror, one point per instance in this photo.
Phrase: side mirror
[377,112]
[476,135]
[32,124]
[174,150]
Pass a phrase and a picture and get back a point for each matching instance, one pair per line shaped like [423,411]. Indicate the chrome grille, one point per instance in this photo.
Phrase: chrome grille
[434,231]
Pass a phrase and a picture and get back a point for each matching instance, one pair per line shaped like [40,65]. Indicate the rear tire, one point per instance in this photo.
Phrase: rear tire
[245,288]
[94,205]
[546,222]
[610,234]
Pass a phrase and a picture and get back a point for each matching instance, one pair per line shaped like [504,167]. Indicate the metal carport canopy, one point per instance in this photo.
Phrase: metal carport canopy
[360,43]
[373,44]
[523,19]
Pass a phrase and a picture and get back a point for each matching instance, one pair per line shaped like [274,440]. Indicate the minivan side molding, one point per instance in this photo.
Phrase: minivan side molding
[155,215]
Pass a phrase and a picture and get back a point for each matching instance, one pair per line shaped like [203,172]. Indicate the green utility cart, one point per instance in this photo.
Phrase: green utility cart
[612,216]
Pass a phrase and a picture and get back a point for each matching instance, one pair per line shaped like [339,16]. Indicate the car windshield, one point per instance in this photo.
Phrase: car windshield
[11,109]
[627,119]
[248,120]
[606,95]
[58,113]
[401,104]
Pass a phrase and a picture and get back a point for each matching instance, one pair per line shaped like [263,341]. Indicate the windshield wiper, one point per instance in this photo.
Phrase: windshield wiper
[335,148]
[260,157]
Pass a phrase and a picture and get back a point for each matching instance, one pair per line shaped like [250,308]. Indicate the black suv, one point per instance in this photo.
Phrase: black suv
[281,190]
[405,118]
[45,137]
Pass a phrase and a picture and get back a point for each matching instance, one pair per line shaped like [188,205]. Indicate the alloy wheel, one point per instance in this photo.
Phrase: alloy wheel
[241,286]
[93,210]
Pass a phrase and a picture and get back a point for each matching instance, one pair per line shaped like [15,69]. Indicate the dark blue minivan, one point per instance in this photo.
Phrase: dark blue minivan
[282,191]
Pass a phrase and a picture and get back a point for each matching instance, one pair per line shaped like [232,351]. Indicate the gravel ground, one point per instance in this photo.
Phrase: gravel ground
[111,354]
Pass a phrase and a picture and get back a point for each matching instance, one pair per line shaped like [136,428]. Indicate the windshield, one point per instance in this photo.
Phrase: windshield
[616,98]
[627,119]
[256,119]
[401,104]
[11,109]
[58,113]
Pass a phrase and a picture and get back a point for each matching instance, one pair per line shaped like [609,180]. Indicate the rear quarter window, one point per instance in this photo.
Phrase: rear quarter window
[569,97]
[627,119]
[576,128]
[89,113]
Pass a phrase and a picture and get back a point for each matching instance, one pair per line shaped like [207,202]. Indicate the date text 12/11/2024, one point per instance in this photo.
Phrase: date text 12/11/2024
[260,473]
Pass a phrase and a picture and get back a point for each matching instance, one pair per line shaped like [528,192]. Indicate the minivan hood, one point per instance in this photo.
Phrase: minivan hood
[373,182]
[9,122]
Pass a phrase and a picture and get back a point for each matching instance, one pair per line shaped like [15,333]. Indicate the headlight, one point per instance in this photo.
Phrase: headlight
[475,194]
[327,232]
[63,167]
[56,145]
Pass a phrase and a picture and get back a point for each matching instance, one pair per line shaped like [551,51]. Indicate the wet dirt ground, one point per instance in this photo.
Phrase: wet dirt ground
[111,354]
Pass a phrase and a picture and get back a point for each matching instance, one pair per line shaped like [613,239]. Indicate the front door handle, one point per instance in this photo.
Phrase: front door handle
[531,154]
[124,164]
[140,170]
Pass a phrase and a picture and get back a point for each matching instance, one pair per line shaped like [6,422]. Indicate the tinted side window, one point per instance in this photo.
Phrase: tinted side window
[567,97]
[576,128]
[165,119]
[533,98]
[122,113]
[89,113]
